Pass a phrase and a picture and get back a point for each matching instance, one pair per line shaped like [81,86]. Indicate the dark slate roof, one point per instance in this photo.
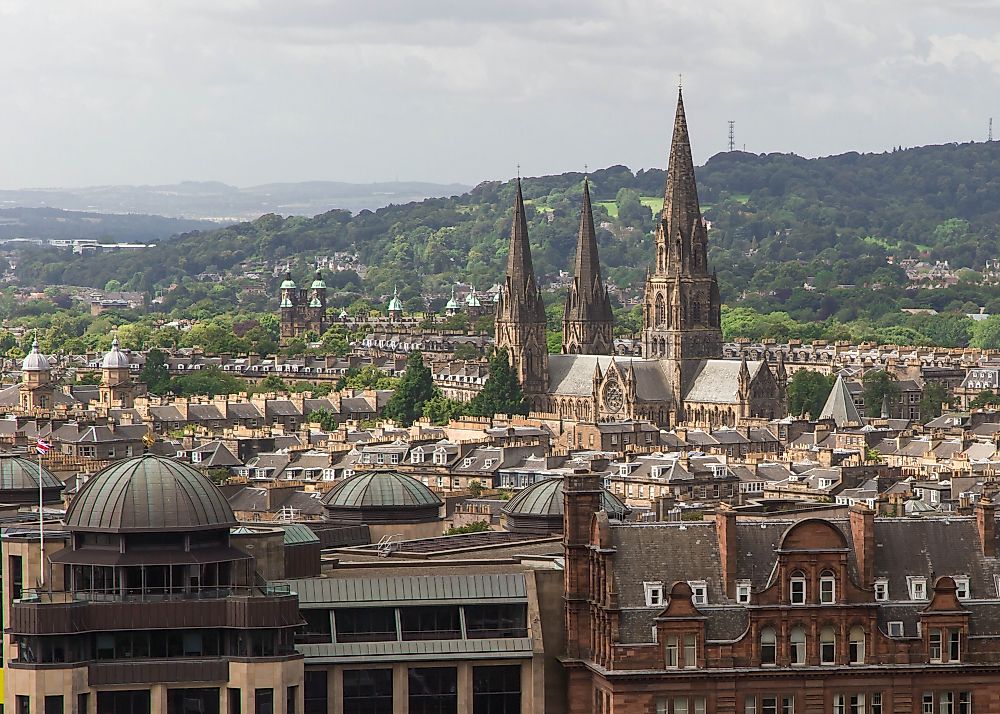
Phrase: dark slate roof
[545,498]
[381,489]
[147,494]
[17,474]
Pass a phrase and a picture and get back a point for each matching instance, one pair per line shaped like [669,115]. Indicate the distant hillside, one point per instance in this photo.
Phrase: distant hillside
[218,201]
[52,223]
[778,221]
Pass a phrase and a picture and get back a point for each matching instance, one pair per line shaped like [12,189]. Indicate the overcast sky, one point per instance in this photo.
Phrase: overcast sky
[247,92]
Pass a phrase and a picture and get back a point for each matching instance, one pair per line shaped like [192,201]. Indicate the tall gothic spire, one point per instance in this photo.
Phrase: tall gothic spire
[520,318]
[680,197]
[587,318]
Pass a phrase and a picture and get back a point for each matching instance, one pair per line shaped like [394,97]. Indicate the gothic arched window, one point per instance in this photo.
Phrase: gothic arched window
[661,311]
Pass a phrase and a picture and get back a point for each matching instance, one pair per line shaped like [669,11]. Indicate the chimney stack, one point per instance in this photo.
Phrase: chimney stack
[987,526]
[862,521]
[725,527]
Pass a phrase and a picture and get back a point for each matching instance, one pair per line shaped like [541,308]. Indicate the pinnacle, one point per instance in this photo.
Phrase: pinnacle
[680,199]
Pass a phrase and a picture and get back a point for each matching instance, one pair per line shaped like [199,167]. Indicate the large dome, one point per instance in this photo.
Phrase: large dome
[19,481]
[149,494]
[539,508]
[115,358]
[35,361]
[382,496]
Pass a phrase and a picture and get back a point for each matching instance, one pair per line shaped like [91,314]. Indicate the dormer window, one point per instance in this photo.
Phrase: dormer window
[654,593]
[827,588]
[881,589]
[699,592]
[417,456]
[468,461]
[962,585]
[440,457]
[743,590]
[797,588]
[895,628]
[917,587]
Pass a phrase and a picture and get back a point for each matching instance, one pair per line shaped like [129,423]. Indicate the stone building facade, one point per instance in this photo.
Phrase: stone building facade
[857,615]
[303,310]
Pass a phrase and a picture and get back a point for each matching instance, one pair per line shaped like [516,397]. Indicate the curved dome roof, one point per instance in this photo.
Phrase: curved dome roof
[318,282]
[35,361]
[545,499]
[381,489]
[287,283]
[148,494]
[115,358]
[19,474]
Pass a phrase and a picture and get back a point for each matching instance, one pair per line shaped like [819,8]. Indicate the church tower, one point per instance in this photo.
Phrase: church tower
[587,318]
[520,318]
[682,307]
[36,388]
[116,388]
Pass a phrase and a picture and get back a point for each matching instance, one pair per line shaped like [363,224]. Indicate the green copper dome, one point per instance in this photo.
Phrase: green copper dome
[149,494]
[381,489]
[318,283]
[545,498]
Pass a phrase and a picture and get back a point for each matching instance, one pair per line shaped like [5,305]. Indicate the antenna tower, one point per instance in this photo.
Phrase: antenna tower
[732,139]
[989,135]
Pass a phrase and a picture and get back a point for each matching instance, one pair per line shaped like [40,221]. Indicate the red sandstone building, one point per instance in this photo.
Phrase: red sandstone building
[857,615]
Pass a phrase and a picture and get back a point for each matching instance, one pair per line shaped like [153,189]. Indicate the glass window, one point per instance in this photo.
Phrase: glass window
[234,695]
[365,624]
[928,703]
[430,623]
[291,699]
[750,705]
[769,705]
[433,690]
[797,640]
[367,691]
[857,645]
[797,588]
[496,690]
[857,704]
[827,588]
[962,583]
[934,645]
[699,592]
[671,648]
[877,703]
[54,704]
[839,704]
[83,703]
[263,700]
[680,705]
[788,705]
[699,705]
[131,701]
[768,646]
[690,651]
[315,693]
[743,592]
[964,703]
[827,646]
[881,590]
[193,701]
[23,702]
[954,645]
[496,621]
[947,702]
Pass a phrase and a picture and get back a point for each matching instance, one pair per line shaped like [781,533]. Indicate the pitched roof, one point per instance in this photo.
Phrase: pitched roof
[840,405]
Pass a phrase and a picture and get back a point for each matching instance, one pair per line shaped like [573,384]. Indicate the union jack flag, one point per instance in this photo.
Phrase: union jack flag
[43,447]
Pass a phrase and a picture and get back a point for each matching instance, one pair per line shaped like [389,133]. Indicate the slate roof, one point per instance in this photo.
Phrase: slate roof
[573,375]
[840,405]
[717,381]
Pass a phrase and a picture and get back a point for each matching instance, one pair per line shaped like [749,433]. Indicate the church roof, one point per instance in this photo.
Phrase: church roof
[35,361]
[573,375]
[718,381]
[115,358]
[840,405]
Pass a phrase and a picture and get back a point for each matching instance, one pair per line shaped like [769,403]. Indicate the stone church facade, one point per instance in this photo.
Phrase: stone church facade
[681,376]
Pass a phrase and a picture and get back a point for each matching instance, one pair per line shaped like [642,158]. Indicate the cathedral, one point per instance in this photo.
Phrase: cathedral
[681,377]
[302,310]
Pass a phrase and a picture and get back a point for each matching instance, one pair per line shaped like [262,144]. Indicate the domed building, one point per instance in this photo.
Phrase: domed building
[19,482]
[144,605]
[116,388]
[538,509]
[36,390]
[389,503]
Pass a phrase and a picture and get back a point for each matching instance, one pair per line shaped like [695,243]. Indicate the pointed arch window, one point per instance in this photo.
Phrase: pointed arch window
[660,314]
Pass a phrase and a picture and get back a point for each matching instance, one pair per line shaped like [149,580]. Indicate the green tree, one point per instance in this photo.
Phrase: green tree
[986,333]
[502,393]
[986,398]
[441,410]
[325,418]
[415,388]
[879,384]
[474,527]
[808,392]
[209,381]
[935,394]
[467,351]
[155,373]
[272,383]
